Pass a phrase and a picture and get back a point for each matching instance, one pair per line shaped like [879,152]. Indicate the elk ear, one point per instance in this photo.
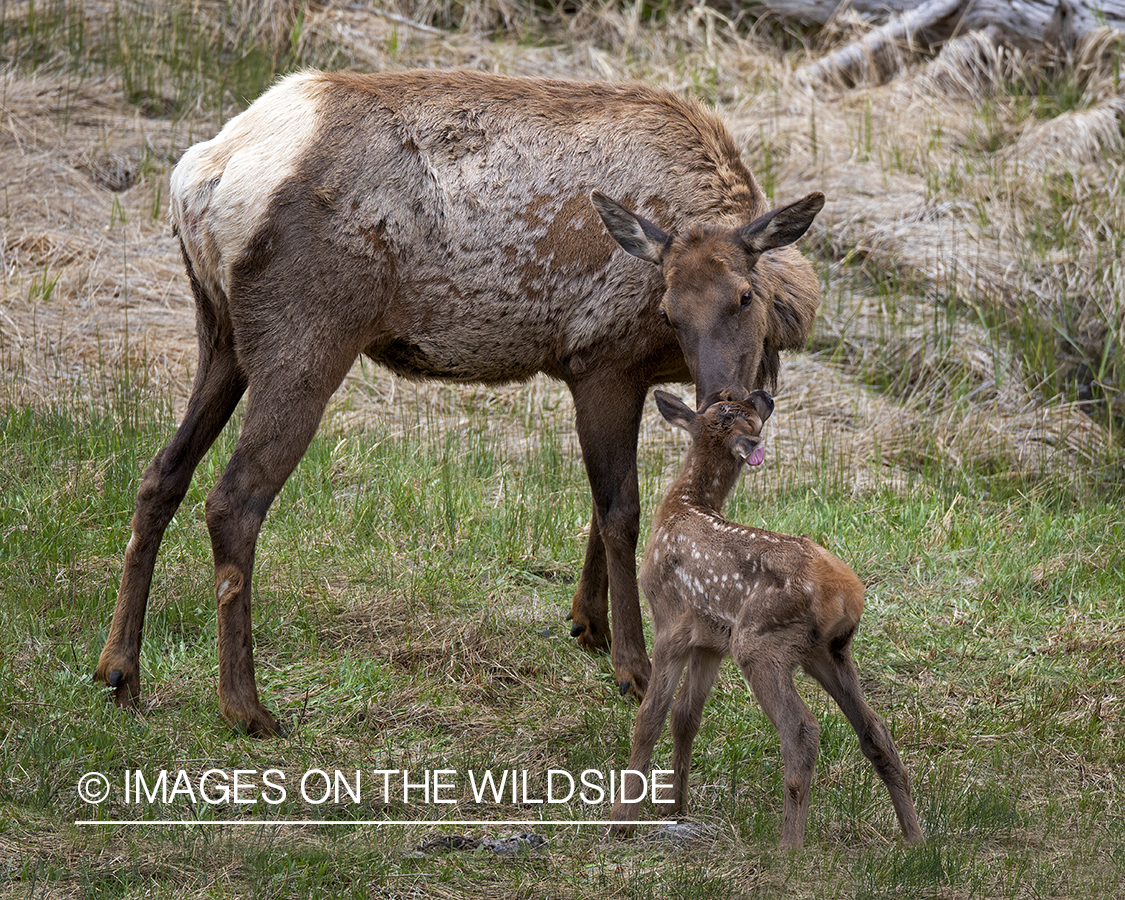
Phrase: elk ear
[676,411]
[637,236]
[781,226]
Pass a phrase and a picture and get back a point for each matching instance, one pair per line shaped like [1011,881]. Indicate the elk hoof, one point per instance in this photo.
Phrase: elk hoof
[633,679]
[126,687]
[254,720]
[590,637]
[263,729]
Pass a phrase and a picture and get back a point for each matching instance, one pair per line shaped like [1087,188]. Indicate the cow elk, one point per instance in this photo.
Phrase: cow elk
[446,224]
[771,601]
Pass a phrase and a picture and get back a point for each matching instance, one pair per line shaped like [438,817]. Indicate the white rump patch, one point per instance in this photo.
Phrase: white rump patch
[221,188]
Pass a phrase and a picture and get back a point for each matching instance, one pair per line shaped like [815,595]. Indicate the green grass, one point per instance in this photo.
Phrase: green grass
[172,58]
[411,589]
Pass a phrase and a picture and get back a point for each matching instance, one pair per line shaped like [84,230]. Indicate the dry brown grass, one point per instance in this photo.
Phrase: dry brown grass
[940,179]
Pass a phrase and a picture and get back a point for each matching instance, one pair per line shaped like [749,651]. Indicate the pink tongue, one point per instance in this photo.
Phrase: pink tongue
[758,454]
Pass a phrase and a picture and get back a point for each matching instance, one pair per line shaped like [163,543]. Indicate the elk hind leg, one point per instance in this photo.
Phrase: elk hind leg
[283,412]
[219,384]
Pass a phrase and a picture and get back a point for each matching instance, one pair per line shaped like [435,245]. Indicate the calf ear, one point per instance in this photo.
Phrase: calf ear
[781,226]
[676,411]
[762,403]
[637,236]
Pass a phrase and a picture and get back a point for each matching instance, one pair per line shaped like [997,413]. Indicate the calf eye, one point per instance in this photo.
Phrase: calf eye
[746,299]
[664,317]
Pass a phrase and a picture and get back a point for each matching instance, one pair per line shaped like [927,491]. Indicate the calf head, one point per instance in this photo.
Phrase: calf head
[730,315]
[727,429]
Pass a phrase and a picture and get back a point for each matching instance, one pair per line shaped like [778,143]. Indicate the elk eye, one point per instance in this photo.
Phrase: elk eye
[664,317]
[746,299]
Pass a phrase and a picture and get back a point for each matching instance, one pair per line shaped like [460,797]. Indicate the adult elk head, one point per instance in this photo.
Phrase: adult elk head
[730,314]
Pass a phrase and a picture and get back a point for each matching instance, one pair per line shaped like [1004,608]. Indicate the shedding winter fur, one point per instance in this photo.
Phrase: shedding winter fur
[452,225]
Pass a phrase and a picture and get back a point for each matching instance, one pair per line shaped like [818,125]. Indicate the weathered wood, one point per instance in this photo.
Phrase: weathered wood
[875,51]
[1029,18]
[1027,24]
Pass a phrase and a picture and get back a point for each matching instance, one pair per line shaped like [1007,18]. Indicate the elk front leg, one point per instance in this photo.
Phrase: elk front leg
[218,385]
[589,610]
[608,417]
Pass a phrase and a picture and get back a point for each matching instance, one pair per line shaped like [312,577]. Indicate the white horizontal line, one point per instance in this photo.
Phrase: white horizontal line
[433,823]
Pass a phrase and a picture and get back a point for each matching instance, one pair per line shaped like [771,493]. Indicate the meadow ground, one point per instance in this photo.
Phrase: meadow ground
[952,431]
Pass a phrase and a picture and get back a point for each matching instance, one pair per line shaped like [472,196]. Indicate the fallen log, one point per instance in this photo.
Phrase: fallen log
[876,52]
[1027,24]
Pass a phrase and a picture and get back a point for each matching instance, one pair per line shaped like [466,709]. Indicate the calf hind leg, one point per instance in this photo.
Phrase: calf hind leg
[772,684]
[836,671]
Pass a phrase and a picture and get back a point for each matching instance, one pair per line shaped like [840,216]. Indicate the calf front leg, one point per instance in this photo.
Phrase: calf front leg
[608,417]
[666,672]
[687,714]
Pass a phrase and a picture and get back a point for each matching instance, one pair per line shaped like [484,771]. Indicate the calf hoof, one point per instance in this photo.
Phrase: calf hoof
[619,825]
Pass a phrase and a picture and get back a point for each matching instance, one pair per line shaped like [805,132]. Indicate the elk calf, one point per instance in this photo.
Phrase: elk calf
[771,601]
